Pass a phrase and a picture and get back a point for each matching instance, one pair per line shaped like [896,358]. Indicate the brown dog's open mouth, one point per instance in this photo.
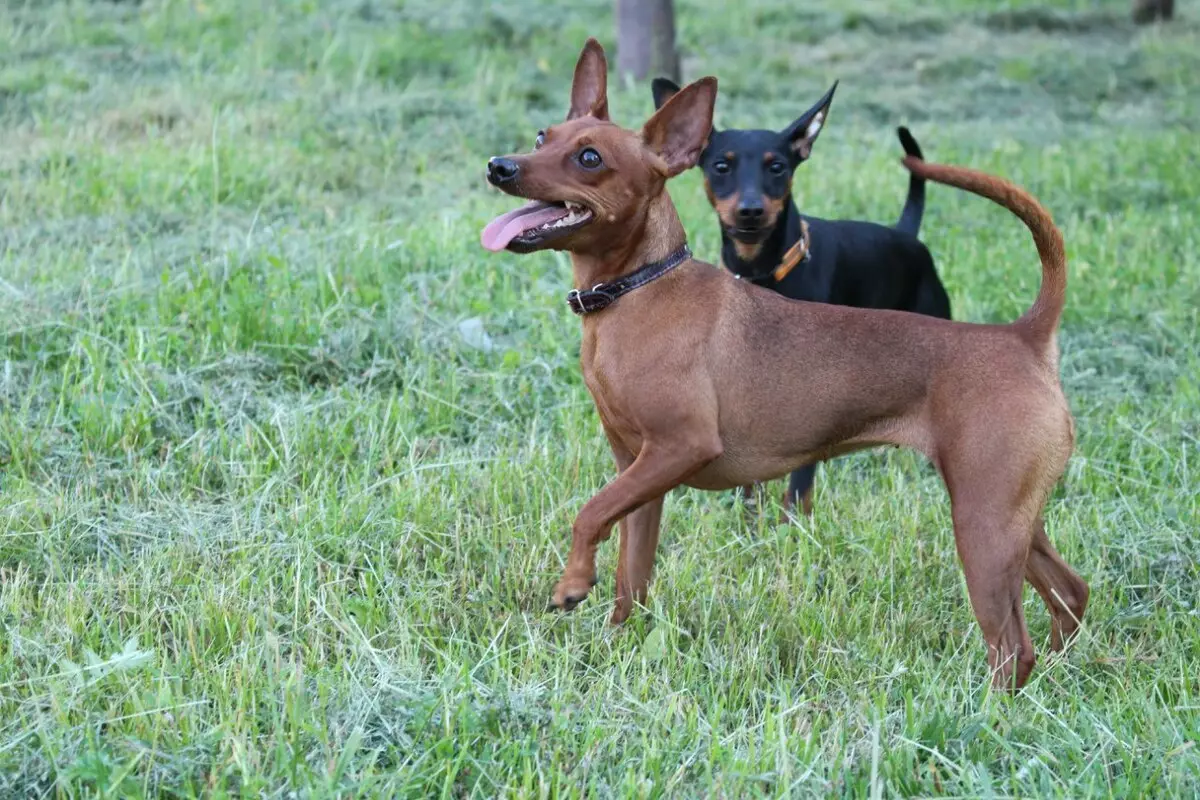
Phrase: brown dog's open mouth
[533,224]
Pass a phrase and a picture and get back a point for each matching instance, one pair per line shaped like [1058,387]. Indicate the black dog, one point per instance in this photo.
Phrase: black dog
[765,239]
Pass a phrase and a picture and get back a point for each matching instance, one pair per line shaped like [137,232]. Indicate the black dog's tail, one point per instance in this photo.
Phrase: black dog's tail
[914,206]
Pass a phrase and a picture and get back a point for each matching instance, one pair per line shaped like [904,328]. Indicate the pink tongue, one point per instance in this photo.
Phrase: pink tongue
[506,227]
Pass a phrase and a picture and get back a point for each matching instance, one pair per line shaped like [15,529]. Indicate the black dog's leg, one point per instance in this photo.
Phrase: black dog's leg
[932,300]
[930,297]
[799,491]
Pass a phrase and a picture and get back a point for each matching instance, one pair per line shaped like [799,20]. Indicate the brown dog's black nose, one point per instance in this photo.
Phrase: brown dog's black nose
[502,170]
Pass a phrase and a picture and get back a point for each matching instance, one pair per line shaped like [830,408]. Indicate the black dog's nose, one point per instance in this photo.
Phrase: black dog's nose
[750,213]
[502,170]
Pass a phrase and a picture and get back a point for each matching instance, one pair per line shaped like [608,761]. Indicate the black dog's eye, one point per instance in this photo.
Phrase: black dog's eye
[540,140]
[590,159]
[776,167]
[721,167]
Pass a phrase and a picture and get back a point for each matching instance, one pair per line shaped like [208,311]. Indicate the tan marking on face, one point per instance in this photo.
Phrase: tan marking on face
[747,251]
[772,209]
[773,206]
[726,207]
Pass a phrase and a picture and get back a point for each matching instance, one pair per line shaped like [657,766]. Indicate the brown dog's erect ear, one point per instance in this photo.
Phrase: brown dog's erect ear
[802,133]
[679,130]
[589,91]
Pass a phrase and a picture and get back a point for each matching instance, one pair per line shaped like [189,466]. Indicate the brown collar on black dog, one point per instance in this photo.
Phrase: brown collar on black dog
[602,295]
[796,254]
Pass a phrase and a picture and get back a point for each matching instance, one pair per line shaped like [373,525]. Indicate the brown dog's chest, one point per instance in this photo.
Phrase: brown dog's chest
[605,376]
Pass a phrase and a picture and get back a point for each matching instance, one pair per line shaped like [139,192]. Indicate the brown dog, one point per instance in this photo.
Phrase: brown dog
[677,367]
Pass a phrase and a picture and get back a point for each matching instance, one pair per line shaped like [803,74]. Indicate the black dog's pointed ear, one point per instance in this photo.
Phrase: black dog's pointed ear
[801,134]
[663,90]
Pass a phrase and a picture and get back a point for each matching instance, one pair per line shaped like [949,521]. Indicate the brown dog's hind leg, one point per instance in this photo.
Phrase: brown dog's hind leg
[995,500]
[993,561]
[635,560]
[1000,465]
[1063,591]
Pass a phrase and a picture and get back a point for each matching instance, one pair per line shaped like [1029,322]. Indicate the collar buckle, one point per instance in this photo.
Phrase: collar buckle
[589,300]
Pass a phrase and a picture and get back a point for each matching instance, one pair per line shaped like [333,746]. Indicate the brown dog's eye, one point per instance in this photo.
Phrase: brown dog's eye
[590,159]
[721,167]
[540,140]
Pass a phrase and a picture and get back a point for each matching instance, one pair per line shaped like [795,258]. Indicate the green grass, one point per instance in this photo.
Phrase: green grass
[275,520]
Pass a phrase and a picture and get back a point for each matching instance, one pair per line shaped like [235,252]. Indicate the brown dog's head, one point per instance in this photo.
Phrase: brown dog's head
[588,180]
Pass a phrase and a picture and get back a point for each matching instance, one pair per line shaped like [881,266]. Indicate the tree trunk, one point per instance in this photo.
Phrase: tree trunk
[1145,11]
[646,39]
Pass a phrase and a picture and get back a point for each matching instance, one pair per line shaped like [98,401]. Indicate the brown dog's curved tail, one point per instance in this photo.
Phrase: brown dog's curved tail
[1041,320]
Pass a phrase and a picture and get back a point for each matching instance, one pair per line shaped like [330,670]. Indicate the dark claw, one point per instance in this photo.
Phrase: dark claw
[569,604]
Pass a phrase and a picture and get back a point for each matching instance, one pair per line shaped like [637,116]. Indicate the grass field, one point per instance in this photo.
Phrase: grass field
[288,462]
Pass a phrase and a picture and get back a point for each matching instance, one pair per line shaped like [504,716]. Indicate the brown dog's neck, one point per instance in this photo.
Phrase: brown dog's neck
[652,237]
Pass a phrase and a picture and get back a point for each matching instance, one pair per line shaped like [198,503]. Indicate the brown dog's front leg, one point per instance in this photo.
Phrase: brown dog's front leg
[639,540]
[635,562]
[656,470]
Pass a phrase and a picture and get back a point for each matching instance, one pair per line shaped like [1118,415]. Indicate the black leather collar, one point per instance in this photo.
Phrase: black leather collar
[602,295]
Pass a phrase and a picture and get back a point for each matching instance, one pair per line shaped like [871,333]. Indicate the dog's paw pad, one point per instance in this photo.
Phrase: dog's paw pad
[571,592]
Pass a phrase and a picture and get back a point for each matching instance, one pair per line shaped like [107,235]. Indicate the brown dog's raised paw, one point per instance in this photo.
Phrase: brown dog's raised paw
[570,592]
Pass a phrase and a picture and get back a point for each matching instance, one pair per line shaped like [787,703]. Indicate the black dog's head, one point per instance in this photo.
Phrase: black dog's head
[748,173]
